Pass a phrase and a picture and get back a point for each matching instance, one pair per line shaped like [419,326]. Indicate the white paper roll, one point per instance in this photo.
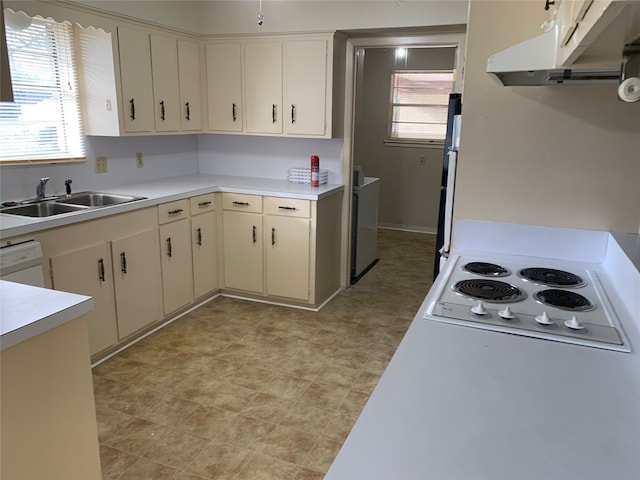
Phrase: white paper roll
[629,89]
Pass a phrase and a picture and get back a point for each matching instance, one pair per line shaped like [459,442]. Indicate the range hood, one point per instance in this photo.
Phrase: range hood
[591,55]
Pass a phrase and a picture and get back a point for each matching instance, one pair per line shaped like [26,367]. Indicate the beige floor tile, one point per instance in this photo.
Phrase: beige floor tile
[109,421]
[353,403]
[328,396]
[249,376]
[268,408]
[287,444]
[230,397]
[169,410]
[308,474]
[286,386]
[263,467]
[339,426]
[338,375]
[246,432]
[206,421]
[114,462]
[366,382]
[306,418]
[322,455]
[136,437]
[219,461]
[145,469]
[176,449]
[191,476]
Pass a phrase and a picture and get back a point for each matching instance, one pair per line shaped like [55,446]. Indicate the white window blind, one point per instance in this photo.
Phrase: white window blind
[44,123]
[419,102]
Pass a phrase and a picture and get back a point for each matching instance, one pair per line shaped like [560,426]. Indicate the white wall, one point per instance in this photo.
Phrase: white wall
[266,157]
[566,156]
[163,156]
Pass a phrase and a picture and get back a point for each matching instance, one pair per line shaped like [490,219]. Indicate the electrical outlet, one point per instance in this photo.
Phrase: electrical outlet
[422,160]
[101,164]
[139,161]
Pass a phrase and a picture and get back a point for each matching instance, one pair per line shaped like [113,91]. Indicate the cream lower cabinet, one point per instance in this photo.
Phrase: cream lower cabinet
[204,244]
[88,271]
[176,258]
[287,247]
[242,239]
[137,281]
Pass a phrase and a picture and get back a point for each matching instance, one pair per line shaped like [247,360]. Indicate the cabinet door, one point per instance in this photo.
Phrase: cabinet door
[135,76]
[87,271]
[205,253]
[287,256]
[136,273]
[190,85]
[166,86]
[305,87]
[243,257]
[263,78]
[177,271]
[224,87]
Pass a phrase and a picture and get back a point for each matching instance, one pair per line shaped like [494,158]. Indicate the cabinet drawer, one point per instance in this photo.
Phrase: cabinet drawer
[202,203]
[169,212]
[289,207]
[241,202]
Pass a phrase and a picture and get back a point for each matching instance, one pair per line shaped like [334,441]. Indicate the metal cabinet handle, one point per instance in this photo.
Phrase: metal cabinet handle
[204,204]
[173,212]
[273,237]
[293,113]
[287,208]
[241,204]
[188,115]
[233,112]
[255,230]
[133,109]
[274,113]
[169,251]
[123,263]
[199,231]
[548,4]
[162,110]
[101,270]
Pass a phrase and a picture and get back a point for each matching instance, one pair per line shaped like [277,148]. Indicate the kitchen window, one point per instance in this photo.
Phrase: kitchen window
[44,124]
[418,106]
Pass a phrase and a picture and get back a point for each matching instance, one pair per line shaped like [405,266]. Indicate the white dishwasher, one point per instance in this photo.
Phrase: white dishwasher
[22,263]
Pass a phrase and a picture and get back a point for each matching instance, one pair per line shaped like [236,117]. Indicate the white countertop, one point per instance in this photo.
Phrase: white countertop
[167,190]
[462,403]
[27,311]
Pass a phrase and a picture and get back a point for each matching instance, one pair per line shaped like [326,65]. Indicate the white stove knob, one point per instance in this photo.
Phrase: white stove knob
[574,324]
[544,319]
[506,313]
[479,309]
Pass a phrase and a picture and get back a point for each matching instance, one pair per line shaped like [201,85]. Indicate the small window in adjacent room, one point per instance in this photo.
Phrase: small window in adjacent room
[418,106]
[44,123]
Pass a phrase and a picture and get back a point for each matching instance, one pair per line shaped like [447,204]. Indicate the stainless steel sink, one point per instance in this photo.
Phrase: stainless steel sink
[42,209]
[97,199]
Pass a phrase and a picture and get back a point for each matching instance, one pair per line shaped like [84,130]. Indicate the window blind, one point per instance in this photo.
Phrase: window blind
[419,102]
[44,122]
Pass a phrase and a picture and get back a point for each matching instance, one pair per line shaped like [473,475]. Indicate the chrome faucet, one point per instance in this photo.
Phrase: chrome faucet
[41,186]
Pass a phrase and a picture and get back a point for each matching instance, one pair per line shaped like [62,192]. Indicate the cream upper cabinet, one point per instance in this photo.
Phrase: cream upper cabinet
[176,260]
[242,242]
[136,82]
[263,86]
[224,86]
[306,86]
[287,247]
[189,73]
[166,86]
[88,271]
[137,281]
[204,244]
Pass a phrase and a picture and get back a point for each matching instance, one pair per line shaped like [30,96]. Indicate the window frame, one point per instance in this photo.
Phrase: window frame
[67,106]
[407,141]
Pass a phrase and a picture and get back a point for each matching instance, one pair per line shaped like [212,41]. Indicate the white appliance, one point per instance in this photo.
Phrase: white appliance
[556,300]
[22,263]
[364,227]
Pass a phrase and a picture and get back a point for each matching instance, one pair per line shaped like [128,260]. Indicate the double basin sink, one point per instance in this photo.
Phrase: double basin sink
[68,203]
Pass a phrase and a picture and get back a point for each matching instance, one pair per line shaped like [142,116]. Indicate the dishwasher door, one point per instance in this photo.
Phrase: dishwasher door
[22,263]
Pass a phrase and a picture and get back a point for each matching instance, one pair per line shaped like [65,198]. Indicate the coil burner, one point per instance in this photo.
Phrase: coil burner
[489,290]
[486,269]
[552,277]
[565,300]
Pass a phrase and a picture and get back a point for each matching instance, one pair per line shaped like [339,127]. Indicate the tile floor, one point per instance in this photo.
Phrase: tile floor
[243,390]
